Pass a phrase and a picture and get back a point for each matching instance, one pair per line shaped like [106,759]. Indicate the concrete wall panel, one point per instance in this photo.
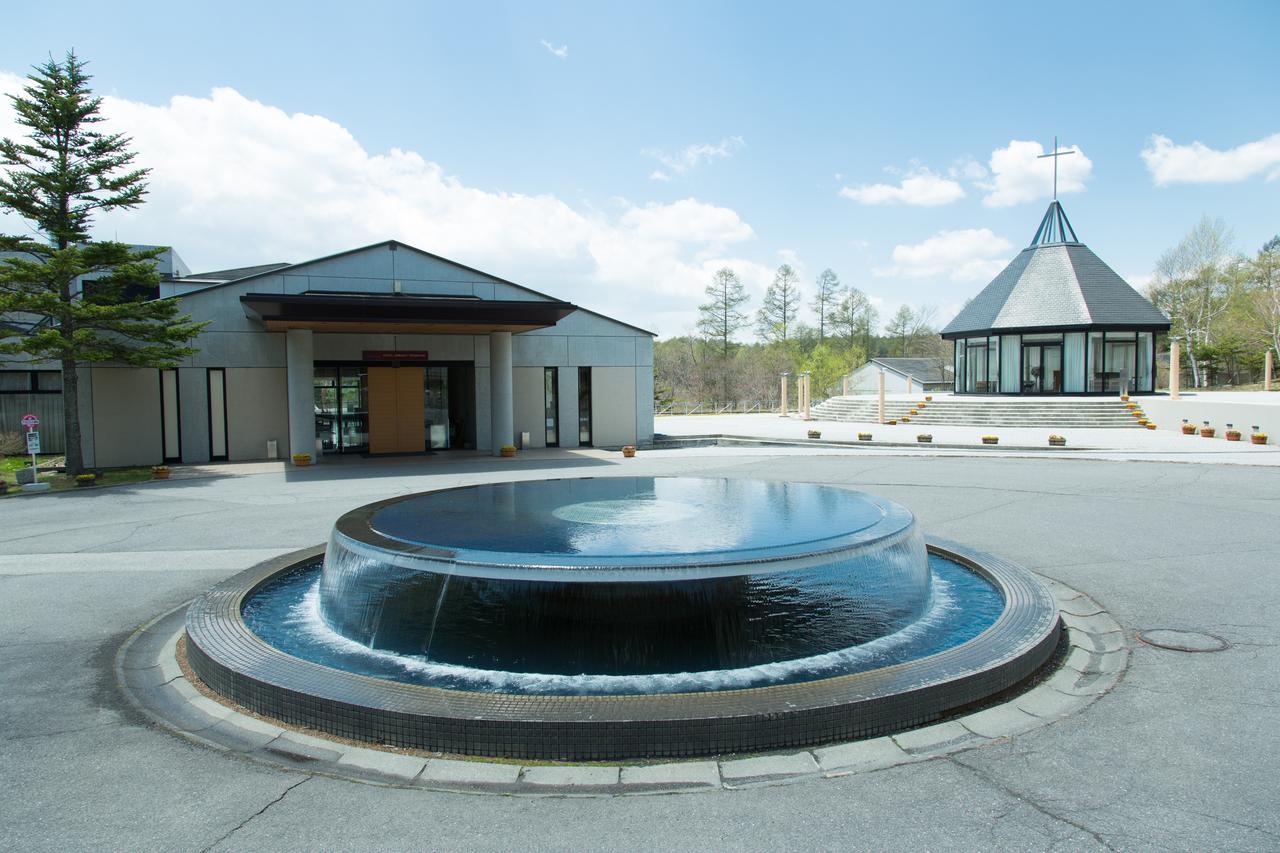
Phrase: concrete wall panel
[539,351]
[597,351]
[613,406]
[644,405]
[126,416]
[527,389]
[257,410]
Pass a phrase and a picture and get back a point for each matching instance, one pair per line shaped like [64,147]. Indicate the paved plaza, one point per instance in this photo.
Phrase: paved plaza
[1181,754]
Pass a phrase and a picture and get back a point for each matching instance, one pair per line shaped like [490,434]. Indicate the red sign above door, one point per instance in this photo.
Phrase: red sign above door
[395,355]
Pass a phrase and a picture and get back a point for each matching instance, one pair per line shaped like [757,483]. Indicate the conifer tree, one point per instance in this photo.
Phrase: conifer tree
[781,305]
[73,300]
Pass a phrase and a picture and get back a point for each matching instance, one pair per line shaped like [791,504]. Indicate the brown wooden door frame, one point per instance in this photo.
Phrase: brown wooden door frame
[396,410]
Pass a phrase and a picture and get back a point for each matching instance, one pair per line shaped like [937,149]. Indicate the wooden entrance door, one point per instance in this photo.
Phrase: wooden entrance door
[396,407]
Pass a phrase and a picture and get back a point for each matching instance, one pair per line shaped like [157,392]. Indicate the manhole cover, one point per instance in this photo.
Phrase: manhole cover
[1183,641]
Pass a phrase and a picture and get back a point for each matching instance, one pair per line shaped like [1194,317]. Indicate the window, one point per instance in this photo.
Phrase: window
[584,406]
[551,405]
[170,428]
[217,379]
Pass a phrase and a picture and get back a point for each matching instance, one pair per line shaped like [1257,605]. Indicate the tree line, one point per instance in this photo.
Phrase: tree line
[827,333]
[1224,305]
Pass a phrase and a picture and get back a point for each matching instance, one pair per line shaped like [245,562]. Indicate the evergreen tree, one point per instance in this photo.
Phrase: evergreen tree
[826,300]
[854,319]
[719,317]
[781,305]
[71,296]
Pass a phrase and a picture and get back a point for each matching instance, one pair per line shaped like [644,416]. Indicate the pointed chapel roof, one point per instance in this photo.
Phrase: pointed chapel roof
[1056,283]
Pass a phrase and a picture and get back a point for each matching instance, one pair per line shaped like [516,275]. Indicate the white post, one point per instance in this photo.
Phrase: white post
[300,371]
[844,386]
[1266,377]
[910,385]
[501,408]
[805,379]
[783,407]
[1175,368]
[881,408]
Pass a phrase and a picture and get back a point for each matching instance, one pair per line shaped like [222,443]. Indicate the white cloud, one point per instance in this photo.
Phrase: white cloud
[967,168]
[659,175]
[1019,175]
[972,254]
[1197,163]
[694,155]
[561,52]
[920,187]
[235,181]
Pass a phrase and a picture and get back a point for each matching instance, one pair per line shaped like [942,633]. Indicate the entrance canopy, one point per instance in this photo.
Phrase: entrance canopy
[357,312]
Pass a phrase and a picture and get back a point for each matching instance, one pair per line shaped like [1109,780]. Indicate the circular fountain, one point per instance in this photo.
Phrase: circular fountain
[621,618]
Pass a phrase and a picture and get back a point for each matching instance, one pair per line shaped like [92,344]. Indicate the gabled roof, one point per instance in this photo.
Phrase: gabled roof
[919,369]
[1056,283]
[234,273]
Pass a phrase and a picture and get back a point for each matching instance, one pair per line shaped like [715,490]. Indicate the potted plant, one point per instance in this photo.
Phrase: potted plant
[924,438]
[161,472]
[1124,398]
[1143,421]
[507,451]
[991,439]
[914,412]
[928,398]
[864,436]
[815,433]
[892,422]
[1258,437]
[905,419]
[1150,425]
[1057,441]
[1188,428]
[86,479]
[1138,413]
[1206,431]
[1233,434]
[629,450]
[302,459]
[1130,406]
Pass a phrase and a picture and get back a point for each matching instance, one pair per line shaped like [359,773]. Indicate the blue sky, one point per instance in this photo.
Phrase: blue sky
[616,156]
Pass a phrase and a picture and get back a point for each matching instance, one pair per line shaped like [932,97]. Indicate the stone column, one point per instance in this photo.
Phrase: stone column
[501,406]
[911,386]
[1266,377]
[783,407]
[805,379]
[300,360]
[881,407]
[844,386]
[1175,368]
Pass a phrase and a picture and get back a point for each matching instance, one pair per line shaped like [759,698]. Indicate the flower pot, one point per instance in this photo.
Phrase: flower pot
[892,422]
[905,419]
[864,436]
[86,479]
[1150,425]
[1124,398]
[1143,421]
[1188,429]
[914,412]
[507,451]
[991,439]
[920,405]
[928,397]
[1057,441]
[1206,432]
[628,451]
[301,458]
[1258,438]
[814,433]
[160,472]
[1233,435]
[924,438]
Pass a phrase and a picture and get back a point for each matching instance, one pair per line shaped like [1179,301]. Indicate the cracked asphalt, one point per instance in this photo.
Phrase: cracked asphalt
[1181,755]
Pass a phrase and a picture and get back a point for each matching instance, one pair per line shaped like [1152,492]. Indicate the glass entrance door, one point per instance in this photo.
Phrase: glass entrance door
[1121,359]
[1041,368]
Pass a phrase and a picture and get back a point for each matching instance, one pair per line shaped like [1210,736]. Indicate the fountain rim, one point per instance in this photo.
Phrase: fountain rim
[236,663]
[895,520]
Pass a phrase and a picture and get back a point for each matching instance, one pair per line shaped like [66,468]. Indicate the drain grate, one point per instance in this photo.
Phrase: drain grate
[1178,640]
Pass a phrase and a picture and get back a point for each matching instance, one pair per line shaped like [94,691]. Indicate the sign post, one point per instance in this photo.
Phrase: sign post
[30,421]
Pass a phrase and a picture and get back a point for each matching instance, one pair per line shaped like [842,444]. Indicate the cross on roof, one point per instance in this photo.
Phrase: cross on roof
[1055,154]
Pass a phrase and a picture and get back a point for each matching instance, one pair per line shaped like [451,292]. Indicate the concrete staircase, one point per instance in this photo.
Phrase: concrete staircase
[1053,413]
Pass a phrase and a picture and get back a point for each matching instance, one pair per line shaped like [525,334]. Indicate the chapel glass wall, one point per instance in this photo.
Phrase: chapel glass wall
[1055,363]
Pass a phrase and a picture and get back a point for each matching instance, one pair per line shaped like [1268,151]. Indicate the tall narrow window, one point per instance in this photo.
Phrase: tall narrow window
[551,399]
[170,428]
[584,406]
[217,413]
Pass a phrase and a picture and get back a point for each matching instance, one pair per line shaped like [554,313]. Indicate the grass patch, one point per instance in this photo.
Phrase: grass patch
[9,466]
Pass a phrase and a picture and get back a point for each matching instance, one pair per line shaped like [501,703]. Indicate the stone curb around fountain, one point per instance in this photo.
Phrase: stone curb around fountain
[149,675]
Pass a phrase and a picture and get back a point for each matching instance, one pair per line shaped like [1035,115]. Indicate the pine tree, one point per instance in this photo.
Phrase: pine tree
[781,304]
[75,297]
[719,317]
[826,300]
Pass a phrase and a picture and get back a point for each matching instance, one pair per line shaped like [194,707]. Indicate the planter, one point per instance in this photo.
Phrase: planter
[1143,421]
[905,419]
[991,439]
[1131,405]
[629,451]
[920,405]
[1207,432]
[914,412]
[86,479]
[1057,441]
[1138,413]
[815,433]
[1188,429]
[1258,438]
[924,438]
[892,422]
[928,397]
[161,472]
[1150,425]
[864,436]
[1233,435]
[1124,398]
[301,459]
[507,451]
